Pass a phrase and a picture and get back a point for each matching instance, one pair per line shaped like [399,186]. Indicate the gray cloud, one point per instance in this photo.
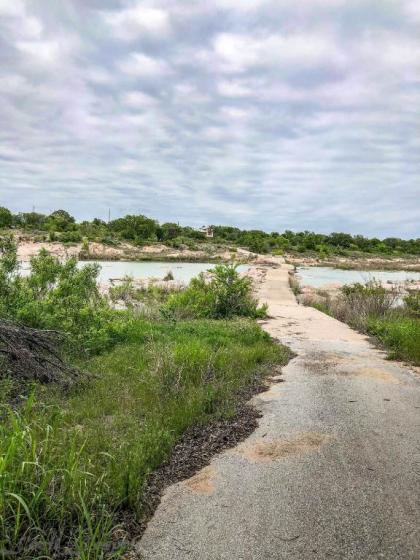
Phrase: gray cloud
[258,113]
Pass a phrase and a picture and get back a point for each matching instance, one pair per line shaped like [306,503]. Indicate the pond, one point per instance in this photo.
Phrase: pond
[318,276]
[182,271]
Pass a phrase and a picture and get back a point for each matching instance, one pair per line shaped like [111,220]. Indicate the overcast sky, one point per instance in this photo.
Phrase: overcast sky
[300,114]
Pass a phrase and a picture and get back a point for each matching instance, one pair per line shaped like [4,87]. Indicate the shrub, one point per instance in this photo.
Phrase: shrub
[57,296]
[359,302]
[412,302]
[226,294]
[6,217]
[108,240]
[70,237]
[125,291]
[400,334]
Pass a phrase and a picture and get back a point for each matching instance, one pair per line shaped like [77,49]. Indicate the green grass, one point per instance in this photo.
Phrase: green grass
[372,309]
[68,463]
[399,334]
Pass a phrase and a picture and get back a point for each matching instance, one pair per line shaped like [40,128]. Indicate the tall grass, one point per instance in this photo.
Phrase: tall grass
[70,462]
[49,499]
[377,311]
[400,334]
[294,284]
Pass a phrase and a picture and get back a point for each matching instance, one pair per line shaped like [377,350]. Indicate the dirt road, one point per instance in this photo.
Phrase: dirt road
[332,472]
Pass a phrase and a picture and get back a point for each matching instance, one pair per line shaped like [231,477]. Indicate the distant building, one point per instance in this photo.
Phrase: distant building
[207,230]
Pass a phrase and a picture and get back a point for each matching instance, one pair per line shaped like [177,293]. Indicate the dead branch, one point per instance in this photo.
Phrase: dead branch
[33,355]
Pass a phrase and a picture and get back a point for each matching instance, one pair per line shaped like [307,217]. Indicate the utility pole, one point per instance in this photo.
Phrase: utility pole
[109,215]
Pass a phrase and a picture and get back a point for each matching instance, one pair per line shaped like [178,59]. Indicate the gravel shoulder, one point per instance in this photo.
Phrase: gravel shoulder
[332,471]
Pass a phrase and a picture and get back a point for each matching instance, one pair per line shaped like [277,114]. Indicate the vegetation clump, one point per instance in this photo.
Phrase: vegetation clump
[294,284]
[57,296]
[168,276]
[225,294]
[378,311]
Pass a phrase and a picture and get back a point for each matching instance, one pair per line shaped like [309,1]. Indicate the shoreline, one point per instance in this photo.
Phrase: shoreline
[373,263]
[162,253]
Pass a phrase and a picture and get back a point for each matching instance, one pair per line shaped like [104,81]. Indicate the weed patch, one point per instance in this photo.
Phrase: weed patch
[375,310]
[73,463]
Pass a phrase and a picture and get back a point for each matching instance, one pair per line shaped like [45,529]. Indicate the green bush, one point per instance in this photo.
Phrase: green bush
[412,302]
[400,334]
[70,237]
[357,303]
[108,240]
[58,296]
[6,217]
[225,294]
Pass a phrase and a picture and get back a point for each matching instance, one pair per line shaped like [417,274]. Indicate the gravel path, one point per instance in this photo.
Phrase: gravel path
[333,470]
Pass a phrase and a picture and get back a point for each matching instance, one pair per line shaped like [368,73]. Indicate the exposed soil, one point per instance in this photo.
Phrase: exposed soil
[124,251]
[262,451]
[362,262]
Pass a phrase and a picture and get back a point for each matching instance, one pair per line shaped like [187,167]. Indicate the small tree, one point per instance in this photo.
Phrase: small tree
[136,228]
[6,217]
[60,220]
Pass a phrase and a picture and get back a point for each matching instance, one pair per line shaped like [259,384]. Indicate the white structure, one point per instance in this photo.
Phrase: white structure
[207,230]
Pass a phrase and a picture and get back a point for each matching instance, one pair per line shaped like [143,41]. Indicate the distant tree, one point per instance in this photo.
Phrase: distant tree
[192,233]
[98,223]
[344,240]
[31,220]
[282,242]
[392,242]
[227,233]
[94,229]
[136,228]
[6,217]
[361,242]
[168,231]
[60,220]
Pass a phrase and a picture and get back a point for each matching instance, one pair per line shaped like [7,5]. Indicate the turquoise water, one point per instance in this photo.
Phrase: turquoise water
[182,271]
[318,276]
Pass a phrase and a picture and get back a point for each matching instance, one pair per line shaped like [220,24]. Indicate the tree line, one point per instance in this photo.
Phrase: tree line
[139,229]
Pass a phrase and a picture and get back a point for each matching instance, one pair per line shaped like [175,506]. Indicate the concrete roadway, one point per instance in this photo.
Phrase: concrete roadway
[332,472]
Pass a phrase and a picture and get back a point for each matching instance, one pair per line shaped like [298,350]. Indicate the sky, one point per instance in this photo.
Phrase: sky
[275,115]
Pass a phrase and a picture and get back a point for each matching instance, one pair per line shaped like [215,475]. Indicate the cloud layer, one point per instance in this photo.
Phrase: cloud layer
[259,113]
